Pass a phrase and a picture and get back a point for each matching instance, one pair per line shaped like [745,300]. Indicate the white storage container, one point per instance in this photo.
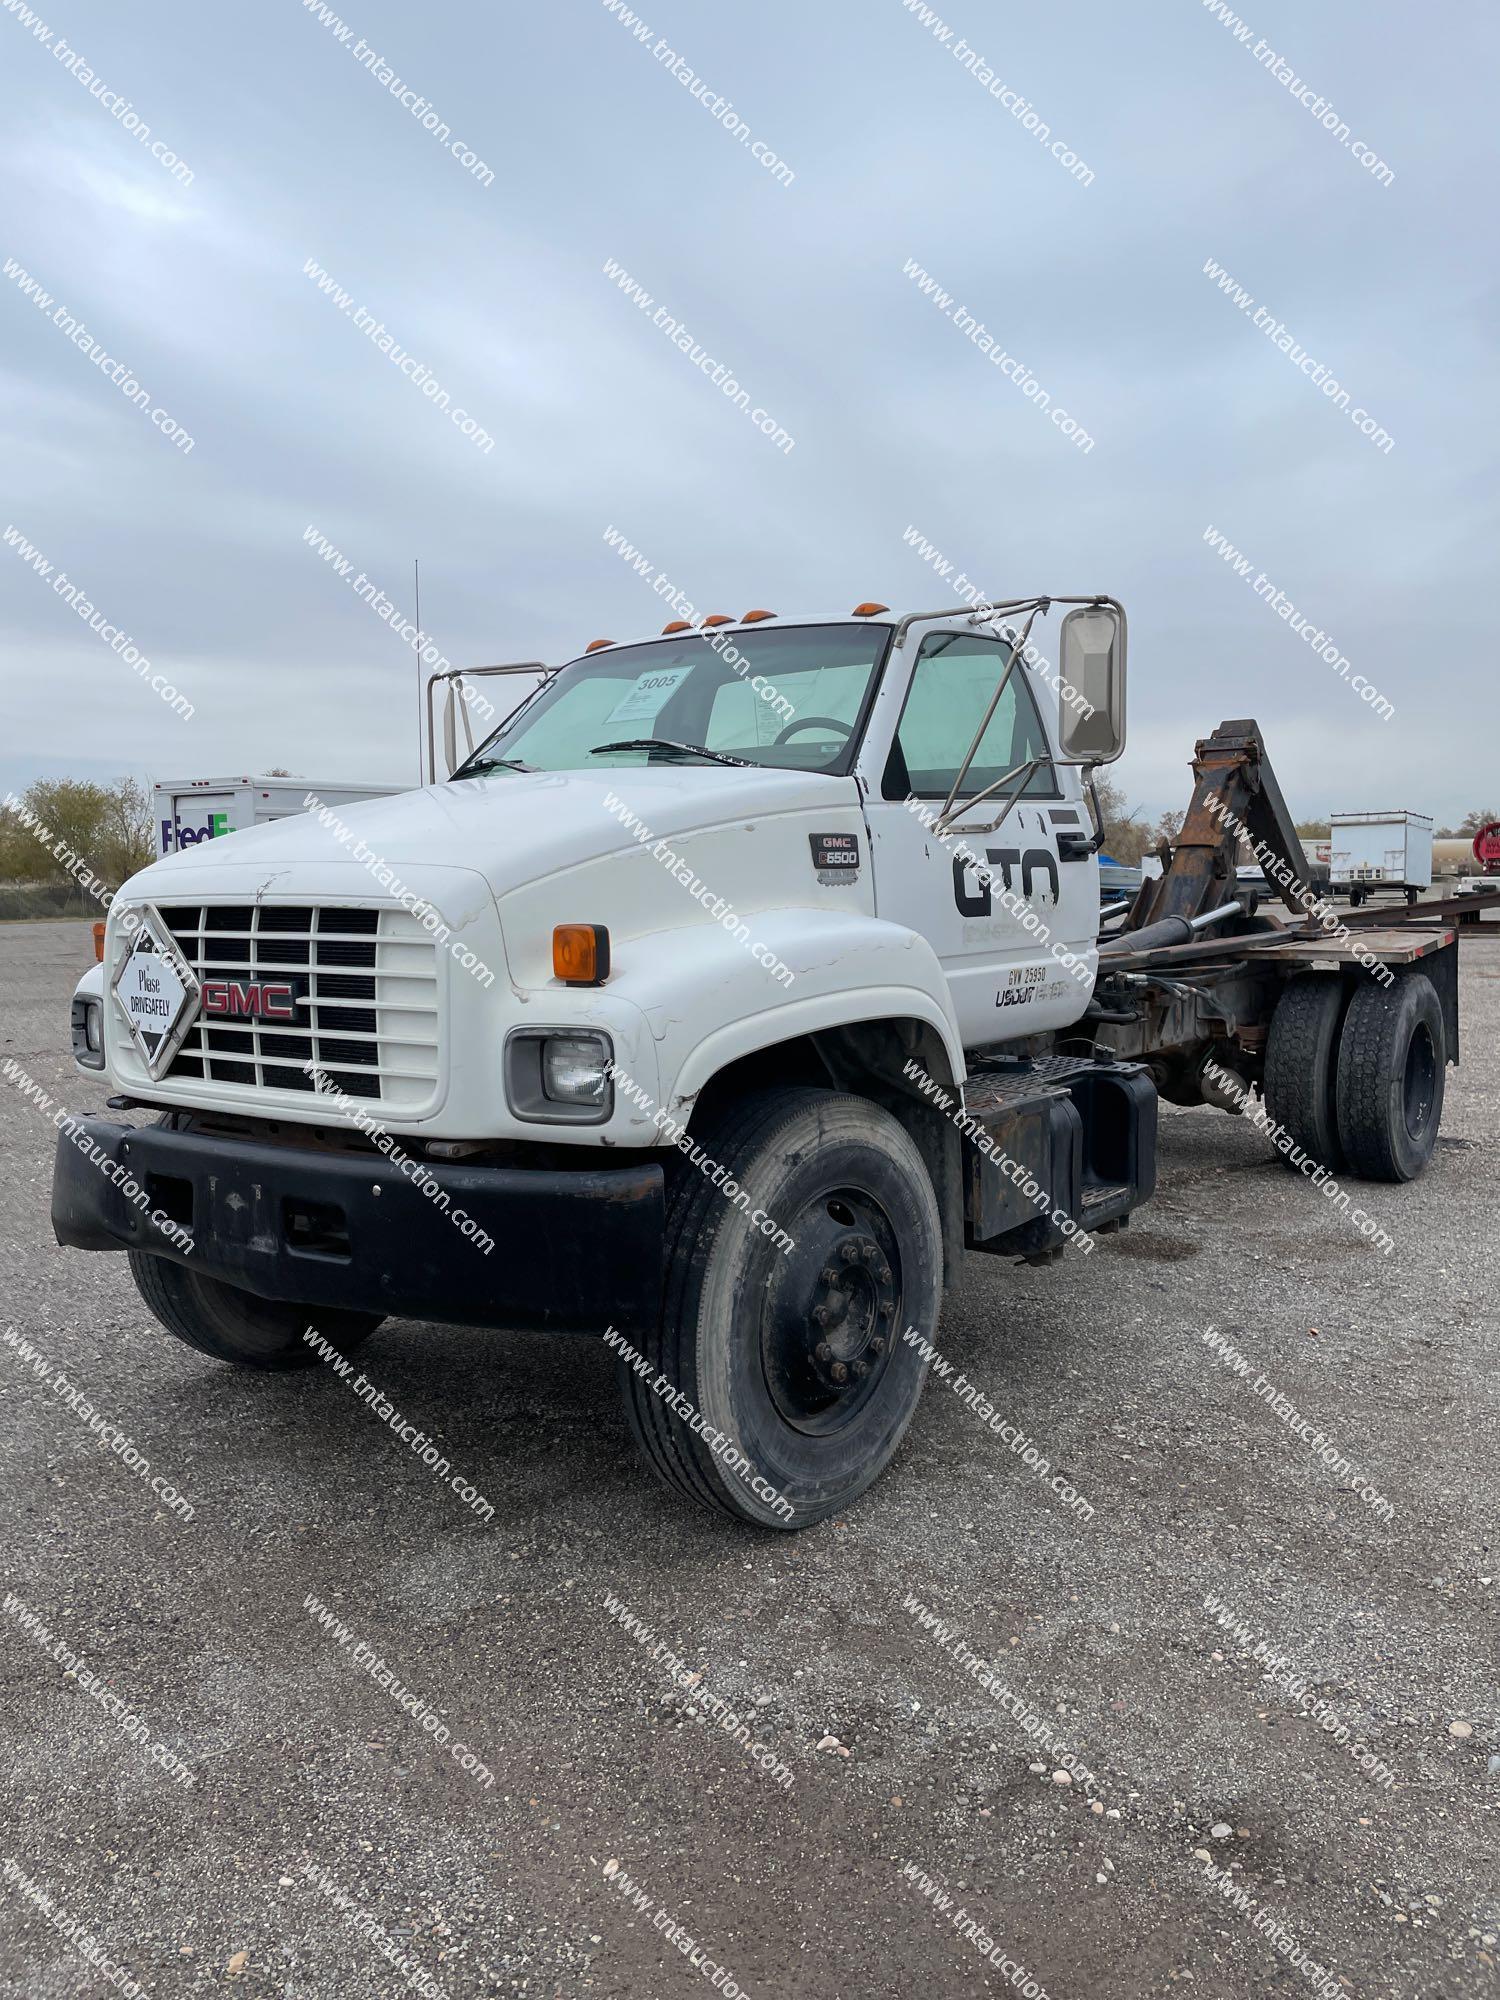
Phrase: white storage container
[1380,850]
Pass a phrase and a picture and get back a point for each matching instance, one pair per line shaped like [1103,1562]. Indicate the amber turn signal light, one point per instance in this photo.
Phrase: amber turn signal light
[99,944]
[594,644]
[868,610]
[580,954]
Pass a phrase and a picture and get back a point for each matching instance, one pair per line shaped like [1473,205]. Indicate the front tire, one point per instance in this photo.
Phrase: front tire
[1392,1068]
[787,1370]
[235,1326]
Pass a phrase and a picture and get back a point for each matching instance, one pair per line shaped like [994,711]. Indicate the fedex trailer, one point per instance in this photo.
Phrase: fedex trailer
[189,810]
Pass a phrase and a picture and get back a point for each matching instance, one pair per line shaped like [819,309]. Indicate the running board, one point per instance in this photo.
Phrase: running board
[1056,1146]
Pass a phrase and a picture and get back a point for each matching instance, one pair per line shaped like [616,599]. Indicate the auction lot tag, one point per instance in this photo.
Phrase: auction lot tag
[647,696]
[155,987]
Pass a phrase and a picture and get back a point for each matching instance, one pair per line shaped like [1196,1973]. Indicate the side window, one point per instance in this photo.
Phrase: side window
[951,687]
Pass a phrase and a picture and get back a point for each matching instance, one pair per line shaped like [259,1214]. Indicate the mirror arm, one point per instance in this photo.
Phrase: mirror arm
[1097,843]
[945,820]
[461,674]
[973,749]
[1017,651]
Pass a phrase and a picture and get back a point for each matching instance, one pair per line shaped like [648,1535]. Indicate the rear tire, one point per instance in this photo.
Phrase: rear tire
[1300,1084]
[1392,1068]
[738,1344]
[235,1326]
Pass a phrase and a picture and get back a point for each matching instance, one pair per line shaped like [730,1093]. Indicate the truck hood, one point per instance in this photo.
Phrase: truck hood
[511,827]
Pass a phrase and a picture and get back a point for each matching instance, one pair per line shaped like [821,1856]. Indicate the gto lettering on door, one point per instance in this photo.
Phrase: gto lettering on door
[1031,861]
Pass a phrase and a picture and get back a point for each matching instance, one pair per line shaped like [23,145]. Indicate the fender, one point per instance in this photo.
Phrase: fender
[846,967]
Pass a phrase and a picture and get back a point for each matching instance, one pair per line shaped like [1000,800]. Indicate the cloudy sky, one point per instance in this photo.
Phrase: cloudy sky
[598,152]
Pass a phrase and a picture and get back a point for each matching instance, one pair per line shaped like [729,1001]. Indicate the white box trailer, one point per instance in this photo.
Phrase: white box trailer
[1379,850]
[188,810]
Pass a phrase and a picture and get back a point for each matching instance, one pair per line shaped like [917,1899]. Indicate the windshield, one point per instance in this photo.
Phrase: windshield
[793,698]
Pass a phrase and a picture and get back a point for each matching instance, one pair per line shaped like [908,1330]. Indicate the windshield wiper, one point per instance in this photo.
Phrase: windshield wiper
[478,764]
[666,743]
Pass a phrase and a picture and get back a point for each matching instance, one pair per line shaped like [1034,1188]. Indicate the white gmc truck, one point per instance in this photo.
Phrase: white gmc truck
[742,981]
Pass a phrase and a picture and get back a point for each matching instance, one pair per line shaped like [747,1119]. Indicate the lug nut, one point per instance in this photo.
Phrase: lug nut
[822,1315]
[871,1254]
[884,1274]
[839,1372]
[877,1345]
[887,1311]
[823,1351]
[828,1276]
[849,1252]
[861,1368]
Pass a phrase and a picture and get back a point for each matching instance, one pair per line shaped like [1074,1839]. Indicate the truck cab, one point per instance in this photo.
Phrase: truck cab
[675,1013]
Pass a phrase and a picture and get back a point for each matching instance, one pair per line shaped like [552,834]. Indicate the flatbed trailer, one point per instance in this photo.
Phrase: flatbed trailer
[1263,1003]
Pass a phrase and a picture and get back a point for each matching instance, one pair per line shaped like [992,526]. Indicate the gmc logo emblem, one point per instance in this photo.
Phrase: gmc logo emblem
[265,999]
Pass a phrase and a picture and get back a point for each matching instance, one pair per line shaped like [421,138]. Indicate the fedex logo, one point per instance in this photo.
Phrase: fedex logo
[175,834]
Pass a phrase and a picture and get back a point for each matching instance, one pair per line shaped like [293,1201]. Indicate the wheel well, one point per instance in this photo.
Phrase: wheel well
[866,1059]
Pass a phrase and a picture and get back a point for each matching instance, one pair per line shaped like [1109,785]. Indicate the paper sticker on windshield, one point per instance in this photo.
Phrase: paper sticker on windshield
[648,696]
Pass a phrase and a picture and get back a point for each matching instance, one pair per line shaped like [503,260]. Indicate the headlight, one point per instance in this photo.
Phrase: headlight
[87,1024]
[558,1077]
[573,1069]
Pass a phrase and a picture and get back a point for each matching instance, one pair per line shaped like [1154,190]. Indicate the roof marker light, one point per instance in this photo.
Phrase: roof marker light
[754,617]
[868,610]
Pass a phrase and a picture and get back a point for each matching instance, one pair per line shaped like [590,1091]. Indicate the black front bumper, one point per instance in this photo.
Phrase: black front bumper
[573,1250]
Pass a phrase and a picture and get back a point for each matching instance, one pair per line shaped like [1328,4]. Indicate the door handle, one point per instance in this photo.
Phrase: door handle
[1074,845]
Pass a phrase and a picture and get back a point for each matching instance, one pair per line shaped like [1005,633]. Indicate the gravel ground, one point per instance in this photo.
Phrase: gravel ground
[604,1767]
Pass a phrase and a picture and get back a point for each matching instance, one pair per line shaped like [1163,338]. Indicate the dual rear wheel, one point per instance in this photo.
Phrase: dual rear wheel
[1355,1077]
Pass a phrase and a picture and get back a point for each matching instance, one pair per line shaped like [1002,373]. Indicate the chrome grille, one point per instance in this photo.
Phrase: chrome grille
[366,1008]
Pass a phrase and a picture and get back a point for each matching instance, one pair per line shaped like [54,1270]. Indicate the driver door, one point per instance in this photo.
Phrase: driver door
[1002,953]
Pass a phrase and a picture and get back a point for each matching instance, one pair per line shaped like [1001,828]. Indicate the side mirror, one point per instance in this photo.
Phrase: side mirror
[1091,662]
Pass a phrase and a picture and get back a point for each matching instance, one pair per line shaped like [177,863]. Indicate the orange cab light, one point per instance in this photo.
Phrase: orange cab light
[754,617]
[594,644]
[580,954]
[99,944]
[718,618]
[677,625]
[868,610]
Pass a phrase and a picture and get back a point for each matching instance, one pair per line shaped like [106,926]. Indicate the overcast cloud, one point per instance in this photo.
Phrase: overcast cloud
[598,152]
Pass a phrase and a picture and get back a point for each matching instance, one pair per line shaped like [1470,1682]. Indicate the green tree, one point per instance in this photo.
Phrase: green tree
[1127,834]
[107,827]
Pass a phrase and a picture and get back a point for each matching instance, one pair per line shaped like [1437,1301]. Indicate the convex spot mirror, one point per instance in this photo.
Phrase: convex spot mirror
[1091,661]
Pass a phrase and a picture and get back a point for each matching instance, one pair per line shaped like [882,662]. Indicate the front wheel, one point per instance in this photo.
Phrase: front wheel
[232,1325]
[778,1385]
